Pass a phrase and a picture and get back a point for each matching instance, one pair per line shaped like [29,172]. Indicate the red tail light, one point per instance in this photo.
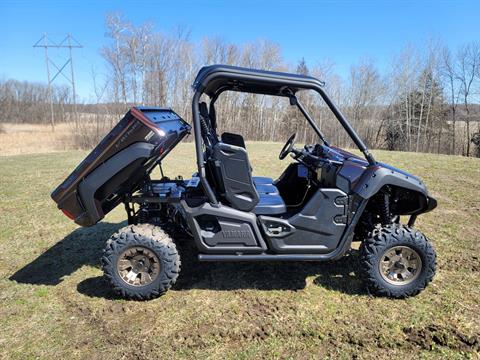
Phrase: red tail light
[69,215]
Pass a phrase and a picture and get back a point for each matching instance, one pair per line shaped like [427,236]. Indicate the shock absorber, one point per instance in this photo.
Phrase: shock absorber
[381,208]
[142,216]
[384,209]
[205,130]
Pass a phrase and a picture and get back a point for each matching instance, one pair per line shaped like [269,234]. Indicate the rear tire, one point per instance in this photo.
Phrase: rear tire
[396,261]
[141,261]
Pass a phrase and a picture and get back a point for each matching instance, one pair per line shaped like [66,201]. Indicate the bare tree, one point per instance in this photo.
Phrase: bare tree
[115,55]
[449,75]
[366,92]
[468,58]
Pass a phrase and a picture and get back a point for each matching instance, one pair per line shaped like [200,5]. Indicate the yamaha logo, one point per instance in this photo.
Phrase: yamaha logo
[229,234]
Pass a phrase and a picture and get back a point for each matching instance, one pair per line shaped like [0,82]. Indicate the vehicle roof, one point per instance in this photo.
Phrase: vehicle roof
[217,78]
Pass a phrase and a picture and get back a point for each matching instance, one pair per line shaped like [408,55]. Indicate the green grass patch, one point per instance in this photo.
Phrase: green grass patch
[56,304]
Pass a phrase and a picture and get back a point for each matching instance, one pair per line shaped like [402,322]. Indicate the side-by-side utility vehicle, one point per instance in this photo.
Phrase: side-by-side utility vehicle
[323,201]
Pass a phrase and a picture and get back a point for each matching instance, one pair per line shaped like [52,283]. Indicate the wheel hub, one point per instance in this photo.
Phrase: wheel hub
[400,265]
[138,266]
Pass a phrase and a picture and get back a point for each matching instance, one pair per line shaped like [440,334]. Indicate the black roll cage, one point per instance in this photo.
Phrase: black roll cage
[216,79]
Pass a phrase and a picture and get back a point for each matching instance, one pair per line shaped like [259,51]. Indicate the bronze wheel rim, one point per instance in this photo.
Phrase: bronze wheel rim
[138,266]
[400,265]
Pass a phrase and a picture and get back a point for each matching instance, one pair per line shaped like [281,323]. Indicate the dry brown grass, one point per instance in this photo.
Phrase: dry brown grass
[18,139]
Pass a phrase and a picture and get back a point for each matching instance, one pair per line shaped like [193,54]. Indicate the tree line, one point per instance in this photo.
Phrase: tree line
[428,99]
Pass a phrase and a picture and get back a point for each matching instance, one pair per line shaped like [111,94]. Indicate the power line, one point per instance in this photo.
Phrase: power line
[70,43]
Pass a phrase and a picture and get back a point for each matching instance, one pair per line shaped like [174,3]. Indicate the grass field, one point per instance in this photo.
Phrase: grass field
[55,303]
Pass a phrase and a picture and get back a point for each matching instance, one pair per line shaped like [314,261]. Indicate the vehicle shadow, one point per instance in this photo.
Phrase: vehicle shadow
[337,276]
[81,247]
[84,246]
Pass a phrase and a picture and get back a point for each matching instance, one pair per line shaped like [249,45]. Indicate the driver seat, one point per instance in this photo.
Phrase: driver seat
[231,173]
[234,182]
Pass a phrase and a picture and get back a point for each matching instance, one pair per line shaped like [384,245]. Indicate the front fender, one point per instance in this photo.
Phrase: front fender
[376,177]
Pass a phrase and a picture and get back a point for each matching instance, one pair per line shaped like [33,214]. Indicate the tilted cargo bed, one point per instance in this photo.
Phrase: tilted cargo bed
[119,163]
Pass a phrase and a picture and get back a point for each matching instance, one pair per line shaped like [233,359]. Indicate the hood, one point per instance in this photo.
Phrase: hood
[390,167]
[359,160]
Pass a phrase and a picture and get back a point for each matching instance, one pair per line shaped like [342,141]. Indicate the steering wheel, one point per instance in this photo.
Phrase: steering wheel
[287,147]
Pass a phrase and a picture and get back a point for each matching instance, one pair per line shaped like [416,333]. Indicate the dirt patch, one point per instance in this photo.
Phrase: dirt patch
[431,336]
[475,263]
[463,261]
[256,322]
[97,321]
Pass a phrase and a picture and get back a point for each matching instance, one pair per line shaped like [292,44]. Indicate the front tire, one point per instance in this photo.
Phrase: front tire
[396,261]
[141,261]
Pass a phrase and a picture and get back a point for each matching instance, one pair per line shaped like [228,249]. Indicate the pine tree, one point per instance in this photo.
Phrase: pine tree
[302,68]
[418,116]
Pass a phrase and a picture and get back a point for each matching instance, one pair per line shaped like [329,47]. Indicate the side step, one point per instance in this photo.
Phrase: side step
[267,257]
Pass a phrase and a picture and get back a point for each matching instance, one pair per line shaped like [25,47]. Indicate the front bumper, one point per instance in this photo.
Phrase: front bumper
[431,204]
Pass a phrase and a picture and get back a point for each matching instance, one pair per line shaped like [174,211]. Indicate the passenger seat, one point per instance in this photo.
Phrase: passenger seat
[262,180]
[270,202]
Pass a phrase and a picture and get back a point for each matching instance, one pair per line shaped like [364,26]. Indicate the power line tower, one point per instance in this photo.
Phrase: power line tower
[68,42]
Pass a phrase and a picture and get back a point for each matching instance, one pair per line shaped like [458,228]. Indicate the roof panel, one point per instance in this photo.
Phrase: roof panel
[211,79]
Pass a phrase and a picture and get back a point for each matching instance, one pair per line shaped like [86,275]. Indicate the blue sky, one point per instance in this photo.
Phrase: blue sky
[342,31]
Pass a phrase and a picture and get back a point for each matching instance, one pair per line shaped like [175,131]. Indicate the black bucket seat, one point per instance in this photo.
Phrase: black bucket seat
[232,176]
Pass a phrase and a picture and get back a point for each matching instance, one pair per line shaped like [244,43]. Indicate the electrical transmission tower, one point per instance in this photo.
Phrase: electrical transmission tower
[68,42]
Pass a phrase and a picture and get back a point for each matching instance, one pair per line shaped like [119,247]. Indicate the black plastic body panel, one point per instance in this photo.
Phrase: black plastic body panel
[318,227]
[349,175]
[343,246]
[158,129]
[224,230]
